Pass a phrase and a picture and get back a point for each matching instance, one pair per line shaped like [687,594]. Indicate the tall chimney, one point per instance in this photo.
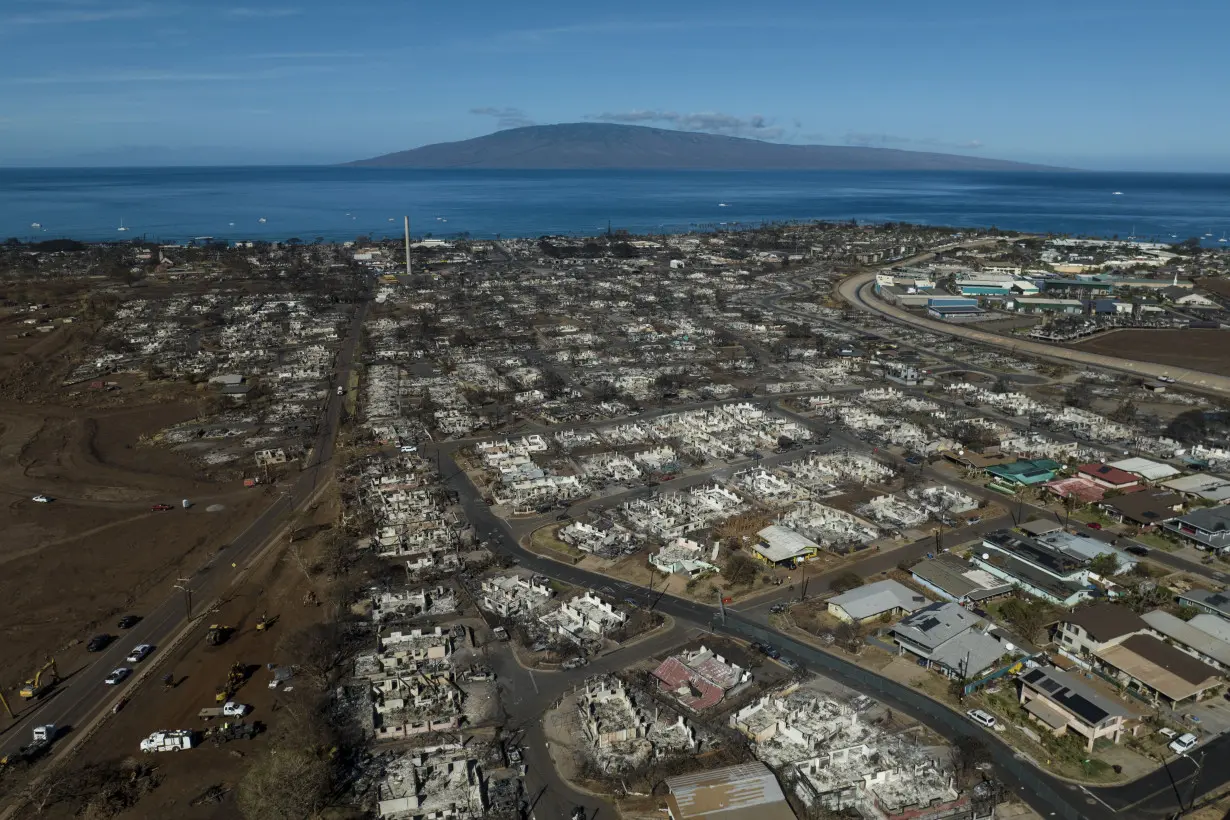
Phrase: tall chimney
[407,246]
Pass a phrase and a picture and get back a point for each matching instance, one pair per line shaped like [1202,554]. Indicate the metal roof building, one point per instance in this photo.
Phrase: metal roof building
[745,792]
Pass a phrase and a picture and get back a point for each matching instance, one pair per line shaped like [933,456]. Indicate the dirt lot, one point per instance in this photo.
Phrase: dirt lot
[97,550]
[276,587]
[1204,350]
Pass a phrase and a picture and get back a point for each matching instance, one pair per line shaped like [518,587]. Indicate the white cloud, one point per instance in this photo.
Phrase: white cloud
[504,117]
[709,122]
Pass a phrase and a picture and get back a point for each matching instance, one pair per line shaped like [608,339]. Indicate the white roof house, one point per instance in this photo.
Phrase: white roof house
[1209,487]
[1146,468]
[873,600]
[780,544]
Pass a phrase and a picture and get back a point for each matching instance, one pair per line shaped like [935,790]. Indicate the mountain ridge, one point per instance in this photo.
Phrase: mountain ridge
[597,146]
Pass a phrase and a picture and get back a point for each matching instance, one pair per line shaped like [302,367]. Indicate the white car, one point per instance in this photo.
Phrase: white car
[1183,744]
[979,716]
[117,676]
[139,653]
[42,499]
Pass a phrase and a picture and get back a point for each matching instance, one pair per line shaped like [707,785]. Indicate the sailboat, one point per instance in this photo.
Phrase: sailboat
[121,227]
[1223,237]
[36,224]
[262,220]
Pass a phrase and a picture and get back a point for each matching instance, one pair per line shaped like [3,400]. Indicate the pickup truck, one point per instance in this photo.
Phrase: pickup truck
[228,709]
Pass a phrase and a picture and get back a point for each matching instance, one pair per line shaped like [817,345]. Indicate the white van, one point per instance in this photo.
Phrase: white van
[979,716]
[1183,743]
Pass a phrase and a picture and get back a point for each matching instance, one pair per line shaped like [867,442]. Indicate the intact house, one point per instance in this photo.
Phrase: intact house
[783,547]
[1064,703]
[1205,487]
[1119,644]
[868,603]
[1037,569]
[1208,528]
[954,579]
[1145,509]
[1024,472]
[1191,639]
[1111,478]
[956,643]
[1210,603]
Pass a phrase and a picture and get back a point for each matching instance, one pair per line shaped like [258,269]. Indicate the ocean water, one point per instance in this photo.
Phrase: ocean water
[336,203]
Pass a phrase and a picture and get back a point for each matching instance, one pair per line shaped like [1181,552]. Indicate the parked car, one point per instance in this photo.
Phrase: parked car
[913,460]
[981,717]
[1183,744]
[98,643]
[129,621]
[161,507]
[1136,549]
[791,664]
[117,676]
[1094,525]
[42,499]
[139,653]
[778,608]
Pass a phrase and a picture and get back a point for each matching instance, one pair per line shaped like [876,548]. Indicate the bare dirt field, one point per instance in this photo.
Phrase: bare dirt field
[97,550]
[1206,350]
[276,587]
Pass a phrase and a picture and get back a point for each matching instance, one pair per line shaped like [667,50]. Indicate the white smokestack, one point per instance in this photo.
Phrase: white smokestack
[407,246]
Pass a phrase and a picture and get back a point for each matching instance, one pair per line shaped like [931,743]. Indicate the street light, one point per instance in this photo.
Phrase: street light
[187,590]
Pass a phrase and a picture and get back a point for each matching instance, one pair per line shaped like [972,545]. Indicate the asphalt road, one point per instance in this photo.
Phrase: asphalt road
[82,695]
[1151,796]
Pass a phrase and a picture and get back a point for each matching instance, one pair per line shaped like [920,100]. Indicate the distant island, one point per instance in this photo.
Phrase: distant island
[592,146]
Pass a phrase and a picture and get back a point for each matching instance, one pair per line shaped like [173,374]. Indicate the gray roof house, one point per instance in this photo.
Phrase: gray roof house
[957,580]
[1064,703]
[1214,603]
[945,636]
[1192,640]
[869,602]
[1208,527]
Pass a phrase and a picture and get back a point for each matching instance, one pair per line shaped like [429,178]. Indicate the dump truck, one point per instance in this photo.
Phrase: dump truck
[228,709]
[168,741]
[217,634]
[41,739]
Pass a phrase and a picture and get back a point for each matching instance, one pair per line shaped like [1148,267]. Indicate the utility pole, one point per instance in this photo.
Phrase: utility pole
[183,585]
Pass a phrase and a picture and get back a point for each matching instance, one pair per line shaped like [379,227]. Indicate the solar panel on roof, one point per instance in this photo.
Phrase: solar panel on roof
[1084,708]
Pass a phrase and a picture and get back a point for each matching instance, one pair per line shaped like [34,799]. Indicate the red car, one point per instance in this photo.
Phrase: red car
[1094,525]
[161,507]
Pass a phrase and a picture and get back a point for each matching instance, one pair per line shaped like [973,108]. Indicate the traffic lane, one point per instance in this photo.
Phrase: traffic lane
[1179,779]
[75,702]
[1044,793]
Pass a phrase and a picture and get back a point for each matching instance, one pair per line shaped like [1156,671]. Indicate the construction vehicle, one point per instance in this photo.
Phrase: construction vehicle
[45,678]
[265,622]
[41,740]
[228,709]
[233,730]
[169,741]
[234,679]
[217,634]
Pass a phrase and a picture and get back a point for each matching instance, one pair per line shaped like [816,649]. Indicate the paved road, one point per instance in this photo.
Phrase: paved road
[526,696]
[1151,796]
[82,695]
[854,291]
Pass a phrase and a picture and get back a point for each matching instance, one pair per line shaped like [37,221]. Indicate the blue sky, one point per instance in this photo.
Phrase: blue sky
[1101,84]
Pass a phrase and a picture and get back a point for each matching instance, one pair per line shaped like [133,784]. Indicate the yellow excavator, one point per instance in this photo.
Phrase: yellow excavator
[42,681]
